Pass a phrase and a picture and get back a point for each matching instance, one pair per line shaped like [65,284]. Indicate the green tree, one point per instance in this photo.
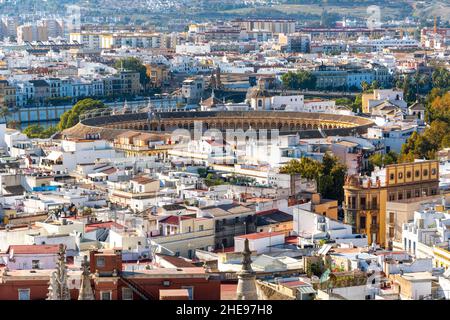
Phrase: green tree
[425,145]
[33,131]
[439,108]
[357,104]
[344,102]
[441,78]
[365,86]
[5,113]
[381,160]
[409,92]
[202,172]
[329,175]
[299,80]
[38,131]
[72,116]
[307,168]
[375,85]
[136,65]
[331,183]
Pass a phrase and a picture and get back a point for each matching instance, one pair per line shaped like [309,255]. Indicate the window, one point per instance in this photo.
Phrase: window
[127,294]
[408,174]
[400,195]
[417,174]
[105,295]
[433,192]
[200,227]
[391,217]
[391,176]
[433,171]
[392,197]
[100,262]
[35,264]
[391,232]
[417,193]
[352,202]
[425,172]
[400,175]
[24,294]
[374,220]
[362,222]
[363,203]
[374,202]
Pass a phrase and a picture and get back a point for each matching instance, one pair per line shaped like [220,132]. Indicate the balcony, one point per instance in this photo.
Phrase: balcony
[131,147]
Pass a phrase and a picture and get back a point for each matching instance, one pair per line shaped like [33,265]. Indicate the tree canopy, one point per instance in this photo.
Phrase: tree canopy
[136,65]
[5,113]
[72,116]
[437,135]
[38,131]
[425,145]
[381,160]
[299,80]
[328,174]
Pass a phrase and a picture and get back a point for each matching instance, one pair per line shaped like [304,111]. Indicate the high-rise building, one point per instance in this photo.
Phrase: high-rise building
[31,33]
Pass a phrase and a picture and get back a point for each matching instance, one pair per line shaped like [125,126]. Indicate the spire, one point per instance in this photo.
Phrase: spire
[247,260]
[58,289]
[85,287]
[246,289]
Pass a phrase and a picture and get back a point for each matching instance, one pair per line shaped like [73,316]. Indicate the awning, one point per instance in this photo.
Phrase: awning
[96,175]
[54,155]
[306,289]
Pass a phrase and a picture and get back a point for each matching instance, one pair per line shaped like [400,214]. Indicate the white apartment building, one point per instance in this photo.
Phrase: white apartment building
[430,228]
[75,152]
[392,135]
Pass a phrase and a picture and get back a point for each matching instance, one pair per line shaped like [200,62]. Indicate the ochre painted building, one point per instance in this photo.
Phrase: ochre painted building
[366,197]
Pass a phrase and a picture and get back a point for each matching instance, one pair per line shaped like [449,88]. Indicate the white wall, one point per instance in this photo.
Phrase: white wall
[24,262]
[420,289]
[353,293]
[258,245]
[69,241]
[2,135]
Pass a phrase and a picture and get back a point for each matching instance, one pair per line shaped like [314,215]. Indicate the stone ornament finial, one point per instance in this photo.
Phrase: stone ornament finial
[247,260]
[58,288]
[246,289]
[85,292]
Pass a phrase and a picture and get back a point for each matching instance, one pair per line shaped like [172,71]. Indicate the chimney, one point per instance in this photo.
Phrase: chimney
[315,199]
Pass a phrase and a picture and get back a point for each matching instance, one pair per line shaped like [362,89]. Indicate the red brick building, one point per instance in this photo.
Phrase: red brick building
[110,282]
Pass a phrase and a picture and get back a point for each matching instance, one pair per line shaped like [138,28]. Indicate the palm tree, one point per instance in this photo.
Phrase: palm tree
[5,113]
